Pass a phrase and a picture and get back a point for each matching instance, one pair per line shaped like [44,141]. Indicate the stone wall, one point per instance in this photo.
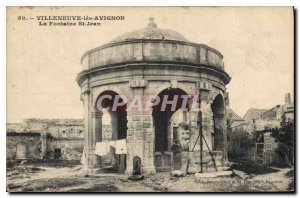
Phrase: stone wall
[67,137]
[270,146]
[66,131]
[32,142]
[71,149]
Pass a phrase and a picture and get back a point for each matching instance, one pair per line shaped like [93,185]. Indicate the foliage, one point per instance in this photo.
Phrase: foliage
[241,143]
[285,138]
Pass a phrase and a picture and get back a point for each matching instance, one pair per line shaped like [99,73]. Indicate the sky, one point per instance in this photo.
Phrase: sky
[43,62]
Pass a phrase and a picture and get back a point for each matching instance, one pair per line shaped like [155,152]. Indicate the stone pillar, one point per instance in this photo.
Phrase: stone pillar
[85,96]
[114,136]
[140,141]
[225,143]
[92,161]
[130,144]
[92,123]
[207,130]
[194,145]
[149,137]
[96,137]
[140,133]
[207,125]
[194,131]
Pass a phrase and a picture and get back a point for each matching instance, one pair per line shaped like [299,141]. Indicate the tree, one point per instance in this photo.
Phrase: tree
[285,138]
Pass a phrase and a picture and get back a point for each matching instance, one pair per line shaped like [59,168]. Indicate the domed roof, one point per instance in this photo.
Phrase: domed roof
[150,32]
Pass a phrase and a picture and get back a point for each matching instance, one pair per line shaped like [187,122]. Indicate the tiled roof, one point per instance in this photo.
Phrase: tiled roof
[55,122]
[271,113]
[254,113]
[231,114]
[23,128]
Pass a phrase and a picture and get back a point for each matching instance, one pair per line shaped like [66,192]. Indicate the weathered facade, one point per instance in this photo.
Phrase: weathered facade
[261,119]
[159,62]
[47,139]
[250,138]
[64,138]
[25,141]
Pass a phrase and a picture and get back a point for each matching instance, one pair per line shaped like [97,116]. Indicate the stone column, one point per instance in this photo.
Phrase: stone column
[207,125]
[85,96]
[149,137]
[140,141]
[91,125]
[194,145]
[194,131]
[140,133]
[96,137]
[225,143]
[130,144]
[207,130]
[114,136]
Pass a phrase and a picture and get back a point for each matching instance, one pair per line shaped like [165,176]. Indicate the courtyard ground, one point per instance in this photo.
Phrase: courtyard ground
[67,177]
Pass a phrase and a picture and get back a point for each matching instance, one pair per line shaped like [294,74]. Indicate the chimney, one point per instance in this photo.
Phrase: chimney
[288,99]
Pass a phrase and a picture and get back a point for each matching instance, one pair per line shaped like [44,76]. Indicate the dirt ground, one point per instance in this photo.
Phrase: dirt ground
[47,177]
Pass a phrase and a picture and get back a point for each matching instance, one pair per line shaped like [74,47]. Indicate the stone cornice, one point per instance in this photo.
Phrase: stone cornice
[211,70]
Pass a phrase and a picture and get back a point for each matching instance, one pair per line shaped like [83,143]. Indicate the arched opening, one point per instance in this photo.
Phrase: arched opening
[219,123]
[167,124]
[137,164]
[113,128]
[21,151]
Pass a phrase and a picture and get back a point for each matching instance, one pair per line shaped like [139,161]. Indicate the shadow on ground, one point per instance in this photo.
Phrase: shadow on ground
[254,169]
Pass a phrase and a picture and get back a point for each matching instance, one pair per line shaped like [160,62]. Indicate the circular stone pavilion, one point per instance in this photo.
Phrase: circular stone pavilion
[156,62]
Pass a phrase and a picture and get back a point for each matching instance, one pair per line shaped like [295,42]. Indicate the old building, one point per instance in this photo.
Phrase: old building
[64,138]
[288,109]
[234,118]
[48,139]
[155,62]
[250,139]
[252,115]
[25,141]
[261,119]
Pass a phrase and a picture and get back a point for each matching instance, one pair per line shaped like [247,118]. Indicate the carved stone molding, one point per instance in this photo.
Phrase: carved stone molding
[138,83]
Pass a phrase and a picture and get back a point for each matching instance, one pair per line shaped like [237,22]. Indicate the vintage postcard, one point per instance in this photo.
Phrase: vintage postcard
[150,99]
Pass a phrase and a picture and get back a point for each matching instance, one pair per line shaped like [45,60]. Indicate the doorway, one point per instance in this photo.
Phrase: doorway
[21,152]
